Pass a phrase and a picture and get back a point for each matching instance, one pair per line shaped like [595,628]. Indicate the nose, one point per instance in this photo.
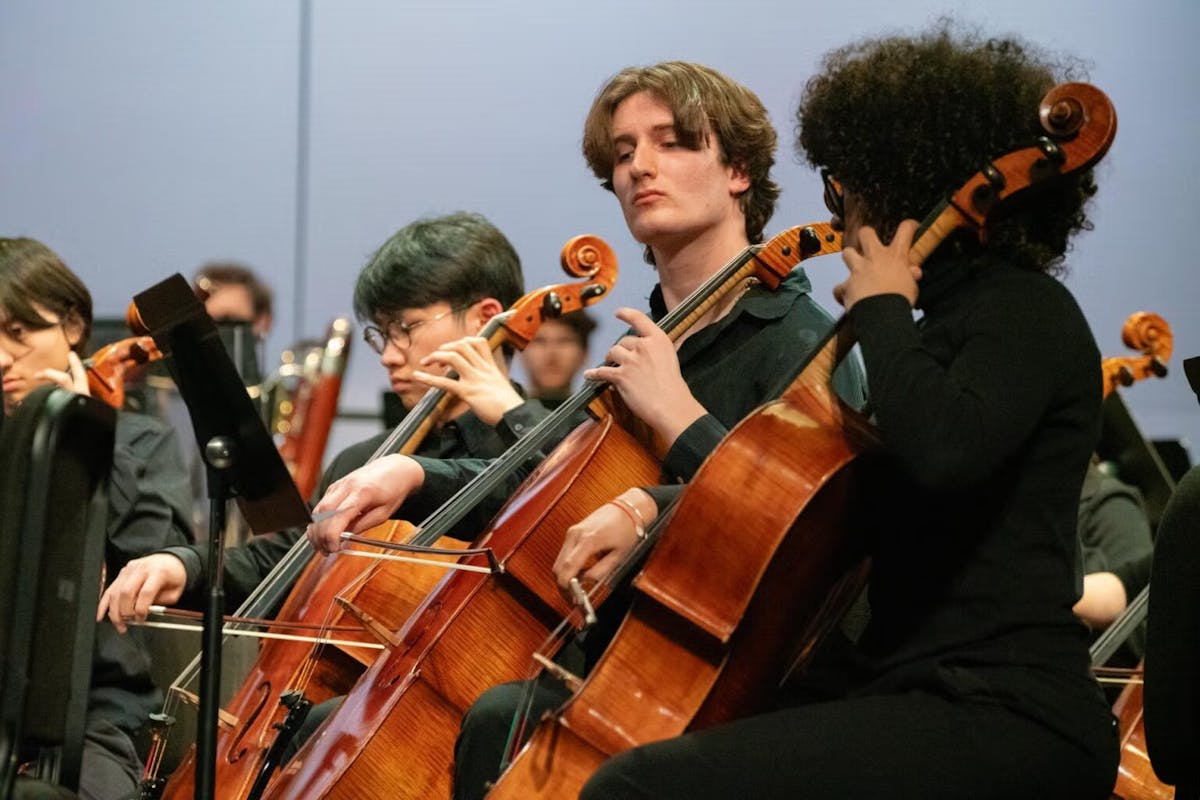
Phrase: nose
[642,162]
[6,358]
[392,354]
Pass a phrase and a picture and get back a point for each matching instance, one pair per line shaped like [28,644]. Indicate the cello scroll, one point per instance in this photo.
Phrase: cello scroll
[1151,335]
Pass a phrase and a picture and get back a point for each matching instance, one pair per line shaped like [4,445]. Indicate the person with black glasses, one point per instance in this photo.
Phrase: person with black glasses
[426,293]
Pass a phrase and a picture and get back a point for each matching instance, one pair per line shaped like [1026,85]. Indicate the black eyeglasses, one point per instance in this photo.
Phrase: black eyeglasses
[834,199]
[400,333]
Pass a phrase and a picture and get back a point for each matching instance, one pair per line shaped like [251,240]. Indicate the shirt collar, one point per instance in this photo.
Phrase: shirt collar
[758,302]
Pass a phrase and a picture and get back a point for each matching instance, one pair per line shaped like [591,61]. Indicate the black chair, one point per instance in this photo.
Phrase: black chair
[55,458]
[1172,695]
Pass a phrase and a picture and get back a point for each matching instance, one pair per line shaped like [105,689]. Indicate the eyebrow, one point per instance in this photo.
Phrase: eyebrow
[657,129]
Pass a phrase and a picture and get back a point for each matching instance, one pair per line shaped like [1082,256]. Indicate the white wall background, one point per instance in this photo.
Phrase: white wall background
[140,138]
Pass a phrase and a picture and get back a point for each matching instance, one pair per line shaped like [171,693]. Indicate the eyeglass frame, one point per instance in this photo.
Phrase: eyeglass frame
[384,334]
[835,196]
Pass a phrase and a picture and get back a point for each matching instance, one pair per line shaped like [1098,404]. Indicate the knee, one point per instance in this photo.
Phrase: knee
[615,780]
[493,712]
[482,736]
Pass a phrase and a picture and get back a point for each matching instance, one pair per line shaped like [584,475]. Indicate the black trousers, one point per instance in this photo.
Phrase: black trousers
[915,744]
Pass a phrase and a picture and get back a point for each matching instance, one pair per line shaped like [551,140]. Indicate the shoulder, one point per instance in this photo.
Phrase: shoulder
[1029,305]
[791,300]
[135,429]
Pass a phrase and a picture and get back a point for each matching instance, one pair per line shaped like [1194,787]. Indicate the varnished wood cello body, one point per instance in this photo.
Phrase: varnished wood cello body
[394,734]
[309,586]
[763,550]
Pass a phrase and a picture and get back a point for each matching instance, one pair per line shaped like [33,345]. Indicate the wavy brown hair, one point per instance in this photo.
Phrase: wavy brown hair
[703,102]
[903,122]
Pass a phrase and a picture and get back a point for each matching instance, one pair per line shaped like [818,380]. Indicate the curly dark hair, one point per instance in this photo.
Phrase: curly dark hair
[702,100]
[902,122]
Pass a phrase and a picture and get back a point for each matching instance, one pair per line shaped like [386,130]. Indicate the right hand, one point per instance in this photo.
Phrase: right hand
[595,546]
[364,498]
[156,579]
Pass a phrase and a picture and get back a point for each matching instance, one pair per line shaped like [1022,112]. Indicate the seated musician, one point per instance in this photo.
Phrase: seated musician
[974,679]
[556,355]
[45,322]
[1117,548]
[434,282]
[687,152]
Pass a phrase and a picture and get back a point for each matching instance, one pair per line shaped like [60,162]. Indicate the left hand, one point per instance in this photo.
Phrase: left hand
[480,384]
[879,269]
[73,380]
[645,370]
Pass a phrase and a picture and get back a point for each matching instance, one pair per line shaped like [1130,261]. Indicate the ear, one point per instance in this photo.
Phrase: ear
[73,327]
[261,325]
[739,180]
[482,311]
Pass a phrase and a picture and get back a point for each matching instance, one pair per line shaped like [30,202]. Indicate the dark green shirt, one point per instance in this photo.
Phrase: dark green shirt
[744,359]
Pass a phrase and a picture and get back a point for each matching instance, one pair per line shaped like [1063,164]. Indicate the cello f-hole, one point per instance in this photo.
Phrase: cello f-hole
[236,750]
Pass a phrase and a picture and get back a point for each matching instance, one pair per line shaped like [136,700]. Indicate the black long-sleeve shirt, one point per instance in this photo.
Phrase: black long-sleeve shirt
[149,502]
[743,360]
[989,409]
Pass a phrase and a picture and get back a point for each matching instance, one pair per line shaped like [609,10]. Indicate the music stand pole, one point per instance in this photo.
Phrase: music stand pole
[243,464]
[219,455]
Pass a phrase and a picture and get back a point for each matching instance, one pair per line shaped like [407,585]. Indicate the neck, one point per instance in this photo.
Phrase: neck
[684,266]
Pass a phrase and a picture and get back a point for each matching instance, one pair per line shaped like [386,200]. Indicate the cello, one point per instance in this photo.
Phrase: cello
[393,735]
[701,645]
[1150,335]
[247,732]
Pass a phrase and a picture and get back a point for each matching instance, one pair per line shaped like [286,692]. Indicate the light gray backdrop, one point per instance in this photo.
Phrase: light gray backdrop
[140,138]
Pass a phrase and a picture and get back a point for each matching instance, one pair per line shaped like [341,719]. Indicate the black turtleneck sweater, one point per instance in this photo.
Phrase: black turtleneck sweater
[989,409]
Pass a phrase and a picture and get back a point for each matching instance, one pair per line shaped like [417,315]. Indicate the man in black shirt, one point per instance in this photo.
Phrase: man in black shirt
[432,283]
[687,152]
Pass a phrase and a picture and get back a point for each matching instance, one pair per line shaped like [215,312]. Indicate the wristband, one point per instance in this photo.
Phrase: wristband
[635,516]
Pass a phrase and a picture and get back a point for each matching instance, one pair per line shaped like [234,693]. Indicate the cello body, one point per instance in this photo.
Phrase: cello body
[326,671]
[388,592]
[394,733]
[763,554]
[1135,776]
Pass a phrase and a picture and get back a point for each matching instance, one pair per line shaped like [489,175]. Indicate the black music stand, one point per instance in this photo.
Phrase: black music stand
[242,463]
